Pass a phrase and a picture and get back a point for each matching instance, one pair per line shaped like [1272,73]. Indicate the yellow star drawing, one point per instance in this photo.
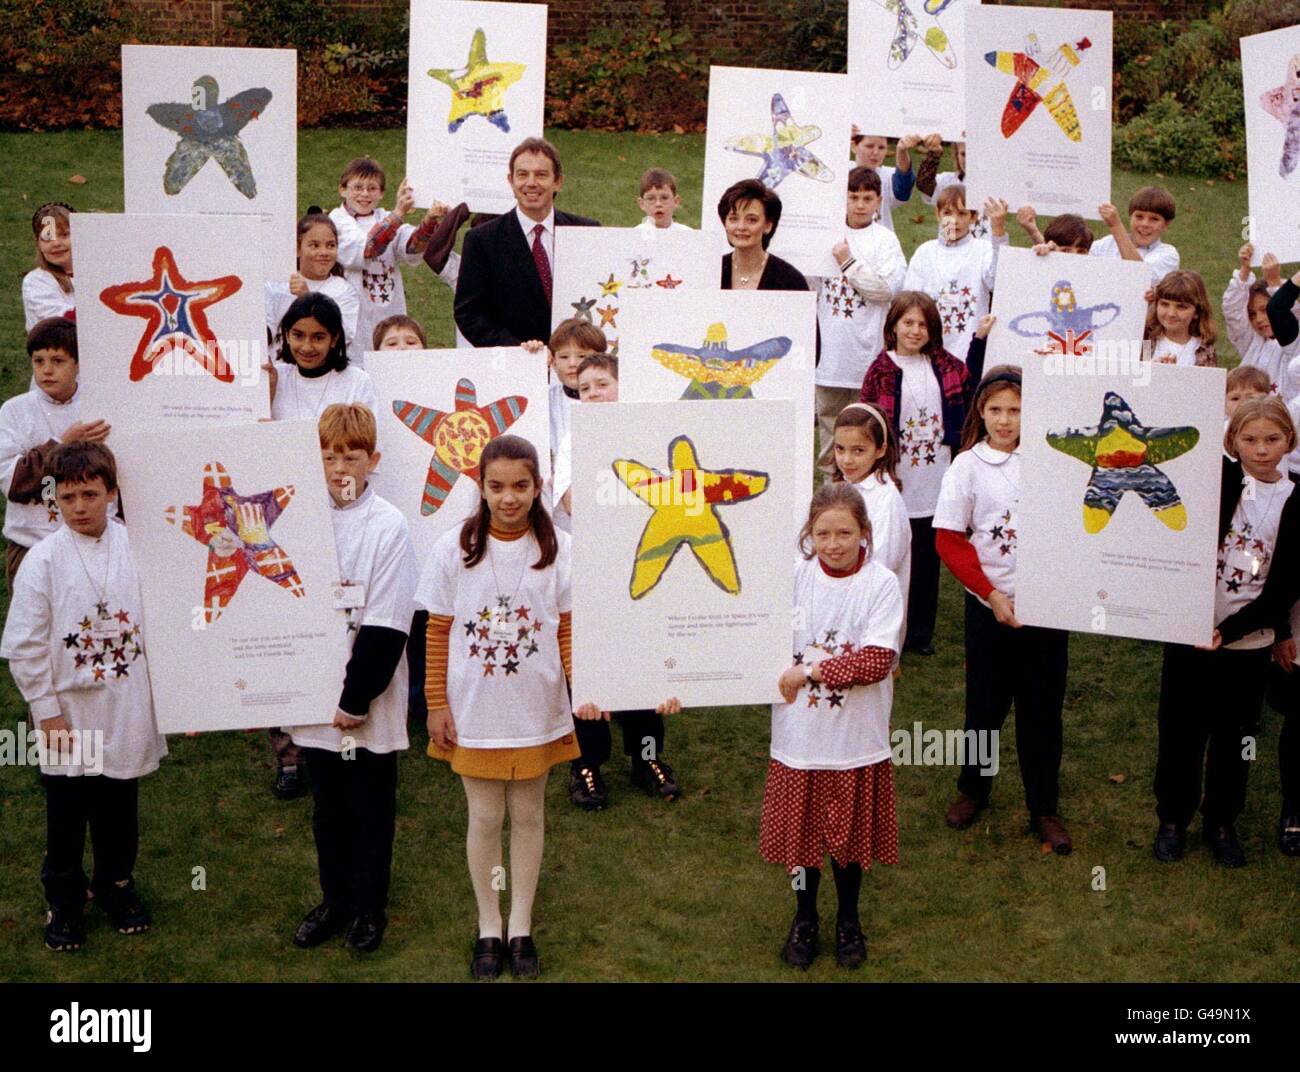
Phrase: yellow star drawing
[479,88]
[610,286]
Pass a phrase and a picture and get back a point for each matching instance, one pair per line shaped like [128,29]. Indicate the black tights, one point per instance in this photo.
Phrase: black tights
[848,884]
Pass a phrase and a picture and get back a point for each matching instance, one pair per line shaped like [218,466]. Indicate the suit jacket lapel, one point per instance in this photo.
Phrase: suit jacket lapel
[521,254]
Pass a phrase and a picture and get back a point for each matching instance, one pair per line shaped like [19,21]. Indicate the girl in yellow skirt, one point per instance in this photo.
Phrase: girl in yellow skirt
[498,596]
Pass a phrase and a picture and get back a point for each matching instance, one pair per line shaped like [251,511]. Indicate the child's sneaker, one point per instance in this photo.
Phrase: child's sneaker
[65,932]
[587,788]
[126,912]
[656,778]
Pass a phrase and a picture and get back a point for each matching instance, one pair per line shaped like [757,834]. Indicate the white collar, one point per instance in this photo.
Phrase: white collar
[528,224]
[365,497]
[43,397]
[103,538]
[992,455]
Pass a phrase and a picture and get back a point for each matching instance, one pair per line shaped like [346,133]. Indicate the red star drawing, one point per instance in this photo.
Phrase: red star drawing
[175,310]
[521,614]
[123,617]
[668,282]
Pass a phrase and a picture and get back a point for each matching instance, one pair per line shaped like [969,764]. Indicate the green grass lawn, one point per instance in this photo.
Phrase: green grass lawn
[664,892]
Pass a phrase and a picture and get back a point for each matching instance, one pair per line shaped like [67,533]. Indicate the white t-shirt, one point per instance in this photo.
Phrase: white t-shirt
[891,534]
[1160,257]
[299,397]
[1292,463]
[43,297]
[825,728]
[375,553]
[851,324]
[28,421]
[74,644]
[648,224]
[505,679]
[959,277]
[1167,352]
[922,457]
[948,178]
[1246,553]
[560,407]
[562,481]
[981,493]
[1255,350]
[887,200]
[344,295]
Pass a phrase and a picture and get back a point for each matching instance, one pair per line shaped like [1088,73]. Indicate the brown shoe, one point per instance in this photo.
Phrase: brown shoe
[1053,833]
[963,810]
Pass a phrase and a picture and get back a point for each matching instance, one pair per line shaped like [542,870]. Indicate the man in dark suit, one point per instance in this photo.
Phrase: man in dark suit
[503,295]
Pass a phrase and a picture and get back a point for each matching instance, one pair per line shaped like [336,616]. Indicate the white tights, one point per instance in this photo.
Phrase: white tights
[488,799]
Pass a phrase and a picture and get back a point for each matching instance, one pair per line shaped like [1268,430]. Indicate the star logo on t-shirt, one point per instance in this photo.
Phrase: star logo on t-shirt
[105,652]
[495,651]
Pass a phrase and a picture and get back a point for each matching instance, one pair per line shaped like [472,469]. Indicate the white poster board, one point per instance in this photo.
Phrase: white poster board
[214,130]
[1270,71]
[476,89]
[727,344]
[1063,303]
[790,130]
[438,409]
[1038,108]
[905,62]
[597,268]
[1119,500]
[681,543]
[172,320]
[234,546]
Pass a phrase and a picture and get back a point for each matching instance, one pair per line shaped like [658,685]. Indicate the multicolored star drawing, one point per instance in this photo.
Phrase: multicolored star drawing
[668,282]
[907,33]
[1124,456]
[1040,80]
[479,88]
[236,530]
[458,437]
[1283,104]
[175,308]
[716,371]
[115,653]
[610,286]
[1066,326]
[783,151]
[685,502]
[210,130]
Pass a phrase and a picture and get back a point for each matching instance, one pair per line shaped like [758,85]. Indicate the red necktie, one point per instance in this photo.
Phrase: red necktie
[543,264]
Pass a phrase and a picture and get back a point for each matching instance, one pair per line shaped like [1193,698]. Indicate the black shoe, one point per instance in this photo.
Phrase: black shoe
[587,788]
[126,912]
[1225,846]
[523,958]
[65,932]
[801,943]
[288,783]
[656,778]
[366,932]
[926,649]
[1170,843]
[1288,835]
[321,924]
[850,946]
[488,959]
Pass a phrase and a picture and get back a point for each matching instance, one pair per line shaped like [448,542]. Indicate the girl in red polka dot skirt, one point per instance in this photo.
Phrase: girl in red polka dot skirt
[830,783]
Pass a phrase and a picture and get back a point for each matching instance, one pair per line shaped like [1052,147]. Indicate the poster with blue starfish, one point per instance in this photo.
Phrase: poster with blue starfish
[175,306]
[1117,521]
[234,543]
[906,62]
[682,536]
[596,268]
[1063,304]
[788,130]
[214,131]
[476,89]
[1270,71]
[728,345]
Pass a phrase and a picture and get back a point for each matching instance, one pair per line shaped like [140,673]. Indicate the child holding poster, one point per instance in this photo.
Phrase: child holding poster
[1180,323]
[869,151]
[74,647]
[930,181]
[353,760]
[830,779]
[923,391]
[1006,663]
[318,270]
[1245,314]
[1151,210]
[47,288]
[1213,696]
[498,596]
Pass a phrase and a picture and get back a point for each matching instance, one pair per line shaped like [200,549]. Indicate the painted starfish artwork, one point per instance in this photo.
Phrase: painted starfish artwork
[783,152]
[1040,80]
[1067,327]
[236,530]
[907,32]
[175,309]
[1283,104]
[209,130]
[457,437]
[685,501]
[716,371]
[1125,455]
[479,88]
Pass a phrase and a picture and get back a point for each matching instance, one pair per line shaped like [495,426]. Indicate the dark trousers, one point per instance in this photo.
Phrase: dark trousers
[1207,698]
[353,822]
[1025,667]
[1284,697]
[923,593]
[287,754]
[109,807]
[594,737]
[416,705]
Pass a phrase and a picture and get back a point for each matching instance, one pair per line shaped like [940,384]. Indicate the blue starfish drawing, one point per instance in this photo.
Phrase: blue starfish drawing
[210,130]
[1066,326]
[783,151]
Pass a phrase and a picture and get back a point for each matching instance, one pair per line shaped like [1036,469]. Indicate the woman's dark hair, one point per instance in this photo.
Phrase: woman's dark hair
[321,308]
[752,190]
[914,299]
[315,215]
[474,533]
[998,378]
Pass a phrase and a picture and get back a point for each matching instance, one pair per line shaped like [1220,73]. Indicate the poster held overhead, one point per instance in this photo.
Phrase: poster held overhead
[1270,71]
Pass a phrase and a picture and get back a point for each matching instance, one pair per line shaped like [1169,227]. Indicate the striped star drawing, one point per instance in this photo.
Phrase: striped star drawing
[236,530]
[458,437]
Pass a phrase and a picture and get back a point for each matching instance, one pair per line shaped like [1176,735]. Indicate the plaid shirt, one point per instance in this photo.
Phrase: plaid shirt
[884,383]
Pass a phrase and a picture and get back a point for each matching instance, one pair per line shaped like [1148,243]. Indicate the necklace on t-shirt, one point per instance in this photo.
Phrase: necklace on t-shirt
[501,629]
[1256,521]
